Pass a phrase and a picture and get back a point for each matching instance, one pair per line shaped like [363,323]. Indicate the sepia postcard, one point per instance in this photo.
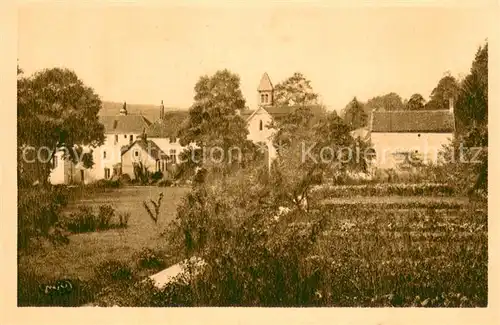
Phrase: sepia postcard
[236,162]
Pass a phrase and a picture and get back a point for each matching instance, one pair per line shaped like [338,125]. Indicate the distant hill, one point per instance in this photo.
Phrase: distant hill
[151,112]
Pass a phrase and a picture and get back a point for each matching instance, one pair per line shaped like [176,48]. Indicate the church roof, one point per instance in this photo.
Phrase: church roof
[265,83]
[436,121]
[124,123]
[278,111]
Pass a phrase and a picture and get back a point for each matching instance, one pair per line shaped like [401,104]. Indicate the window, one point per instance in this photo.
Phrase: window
[116,138]
[136,153]
[173,156]
[125,136]
[54,161]
[131,138]
[260,125]
[104,155]
[419,135]
[267,98]
[262,98]
[107,173]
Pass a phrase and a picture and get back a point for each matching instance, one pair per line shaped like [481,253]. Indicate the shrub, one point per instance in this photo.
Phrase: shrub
[156,176]
[165,183]
[85,220]
[105,183]
[125,178]
[113,271]
[123,218]
[150,259]
[39,215]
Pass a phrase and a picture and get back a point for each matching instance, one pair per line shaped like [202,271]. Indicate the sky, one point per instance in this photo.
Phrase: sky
[145,54]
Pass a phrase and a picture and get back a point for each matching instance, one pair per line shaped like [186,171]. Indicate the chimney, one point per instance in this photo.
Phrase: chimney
[123,111]
[162,111]
[451,105]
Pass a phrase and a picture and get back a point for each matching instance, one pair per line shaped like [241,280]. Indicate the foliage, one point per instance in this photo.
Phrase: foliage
[401,189]
[113,271]
[148,258]
[40,292]
[354,114]
[466,159]
[156,176]
[387,102]
[446,88]
[141,173]
[415,103]
[154,215]
[257,254]
[55,109]
[39,215]
[214,123]
[296,90]
[85,220]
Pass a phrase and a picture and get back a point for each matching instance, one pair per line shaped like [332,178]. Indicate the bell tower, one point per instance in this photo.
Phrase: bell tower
[265,91]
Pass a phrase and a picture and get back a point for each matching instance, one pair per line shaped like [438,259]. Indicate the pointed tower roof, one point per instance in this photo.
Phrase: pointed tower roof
[265,83]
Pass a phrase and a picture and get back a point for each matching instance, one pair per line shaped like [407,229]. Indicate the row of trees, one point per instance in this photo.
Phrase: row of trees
[356,113]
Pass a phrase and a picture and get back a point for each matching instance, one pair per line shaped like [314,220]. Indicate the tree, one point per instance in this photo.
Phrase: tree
[472,100]
[446,88]
[416,102]
[56,110]
[296,90]
[387,102]
[354,114]
[213,123]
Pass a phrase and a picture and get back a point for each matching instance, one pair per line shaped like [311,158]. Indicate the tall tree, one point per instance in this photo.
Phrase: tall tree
[55,109]
[472,101]
[296,90]
[354,114]
[446,88]
[416,102]
[387,102]
[213,122]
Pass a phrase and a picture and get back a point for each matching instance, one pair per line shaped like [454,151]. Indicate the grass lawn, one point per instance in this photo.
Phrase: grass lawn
[85,251]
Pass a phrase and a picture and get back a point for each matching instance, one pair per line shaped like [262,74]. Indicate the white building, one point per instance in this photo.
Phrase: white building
[397,135]
[119,132]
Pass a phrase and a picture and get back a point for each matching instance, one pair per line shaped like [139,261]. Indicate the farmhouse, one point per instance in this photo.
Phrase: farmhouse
[400,136]
[144,153]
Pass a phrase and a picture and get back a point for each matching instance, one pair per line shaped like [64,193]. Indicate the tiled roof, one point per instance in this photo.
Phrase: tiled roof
[265,83]
[169,126]
[281,111]
[150,147]
[124,123]
[439,121]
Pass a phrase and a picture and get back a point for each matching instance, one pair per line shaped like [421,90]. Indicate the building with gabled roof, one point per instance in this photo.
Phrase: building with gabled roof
[401,138]
[145,152]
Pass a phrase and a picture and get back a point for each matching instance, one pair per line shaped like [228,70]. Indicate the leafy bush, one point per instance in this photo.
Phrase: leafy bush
[125,179]
[113,271]
[156,176]
[150,259]
[39,215]
[105,183]
[123,218]
[85,220]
